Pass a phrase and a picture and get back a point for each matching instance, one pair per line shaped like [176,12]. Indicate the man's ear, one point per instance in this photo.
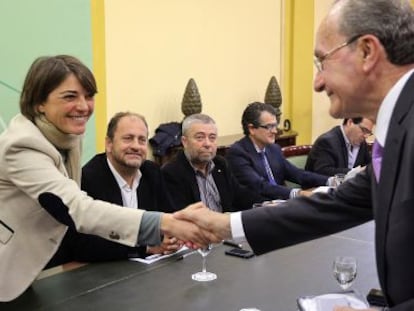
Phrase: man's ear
[183,140]
[108,144]
[371,49]
[251,128]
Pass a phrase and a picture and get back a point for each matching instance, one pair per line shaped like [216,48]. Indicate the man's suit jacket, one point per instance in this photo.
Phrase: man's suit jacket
[390,202]
[329,154]
[99,183]
[33,177]
[182,185]
[248,168]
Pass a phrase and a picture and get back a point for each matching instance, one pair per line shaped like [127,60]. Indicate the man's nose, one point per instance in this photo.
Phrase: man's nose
[318,82]
[135,143]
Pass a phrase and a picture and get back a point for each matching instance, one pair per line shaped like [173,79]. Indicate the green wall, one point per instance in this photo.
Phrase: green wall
[32,28]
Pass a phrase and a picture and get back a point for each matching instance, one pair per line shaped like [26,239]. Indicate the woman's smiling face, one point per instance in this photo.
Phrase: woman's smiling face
[68,107]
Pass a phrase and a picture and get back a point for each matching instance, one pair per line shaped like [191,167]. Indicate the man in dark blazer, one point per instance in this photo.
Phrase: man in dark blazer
[341,148]
[197,173]
[366,66]
[142,183]
[258,163]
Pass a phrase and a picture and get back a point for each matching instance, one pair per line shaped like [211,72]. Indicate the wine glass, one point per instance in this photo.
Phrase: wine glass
[338,179]
[345,270]
[204,275]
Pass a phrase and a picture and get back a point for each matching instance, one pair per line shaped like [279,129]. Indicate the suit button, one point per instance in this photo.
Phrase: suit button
[114,236]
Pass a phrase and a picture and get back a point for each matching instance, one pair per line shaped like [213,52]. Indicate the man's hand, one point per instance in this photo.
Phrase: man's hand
[353,172]
[192,234]
[217,224]
[306,193]
[169,245]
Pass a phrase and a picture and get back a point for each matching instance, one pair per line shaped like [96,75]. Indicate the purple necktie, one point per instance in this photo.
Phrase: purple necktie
[377,151]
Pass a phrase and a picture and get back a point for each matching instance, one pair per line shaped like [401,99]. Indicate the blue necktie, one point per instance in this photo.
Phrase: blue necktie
[267,168]
[377,151]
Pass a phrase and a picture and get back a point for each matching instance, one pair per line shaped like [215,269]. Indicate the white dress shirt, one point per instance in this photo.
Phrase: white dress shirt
[352,149]
[129,194]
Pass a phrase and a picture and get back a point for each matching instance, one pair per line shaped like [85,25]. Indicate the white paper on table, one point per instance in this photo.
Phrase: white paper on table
[323,189]
[156,257]
[327,301]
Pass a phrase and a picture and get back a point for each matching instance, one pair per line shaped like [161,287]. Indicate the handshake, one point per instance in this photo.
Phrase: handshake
[196,225]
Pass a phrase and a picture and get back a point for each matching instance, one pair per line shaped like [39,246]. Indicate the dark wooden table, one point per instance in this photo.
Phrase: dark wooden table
[268,282]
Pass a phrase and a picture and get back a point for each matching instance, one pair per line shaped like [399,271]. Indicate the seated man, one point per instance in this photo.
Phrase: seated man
[123,176]
[341,149]
[197,173]
[258,162]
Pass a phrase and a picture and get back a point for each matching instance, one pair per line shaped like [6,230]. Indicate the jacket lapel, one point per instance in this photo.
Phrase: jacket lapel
[341,145]
[255,156]
[220,181]
[386,189]
[109,184]
[190,175]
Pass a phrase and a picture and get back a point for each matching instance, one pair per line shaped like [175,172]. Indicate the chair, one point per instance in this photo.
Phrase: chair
[297,155]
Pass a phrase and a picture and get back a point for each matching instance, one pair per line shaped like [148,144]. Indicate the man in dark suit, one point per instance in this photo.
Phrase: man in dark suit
[258,163]
[341,149]
[197,173]
[123,176]
[365,65]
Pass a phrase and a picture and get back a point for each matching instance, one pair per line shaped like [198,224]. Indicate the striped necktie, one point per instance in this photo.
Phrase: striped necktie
[267,168]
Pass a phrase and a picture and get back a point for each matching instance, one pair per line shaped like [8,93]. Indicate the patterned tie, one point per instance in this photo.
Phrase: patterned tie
[267,168]
[377,151]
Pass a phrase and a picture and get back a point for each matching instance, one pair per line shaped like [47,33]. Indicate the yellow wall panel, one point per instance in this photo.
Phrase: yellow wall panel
[98,46]
[231,48]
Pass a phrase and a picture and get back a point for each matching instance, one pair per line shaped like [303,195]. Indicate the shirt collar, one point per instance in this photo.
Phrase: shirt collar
[347,142]
[121,181]
[387,107]
[258,150]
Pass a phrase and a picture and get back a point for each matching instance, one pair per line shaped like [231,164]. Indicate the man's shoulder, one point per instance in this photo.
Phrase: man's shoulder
[332,135]
[151,172]
[149,167]
[220,162]
[273,148]
[98,161]
[240,145]
[177,163]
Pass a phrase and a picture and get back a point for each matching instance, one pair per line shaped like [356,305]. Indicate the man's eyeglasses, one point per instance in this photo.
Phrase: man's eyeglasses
[318,60]
[269,127]
[365,131]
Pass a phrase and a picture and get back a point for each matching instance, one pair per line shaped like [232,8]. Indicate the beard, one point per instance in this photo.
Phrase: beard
[126,162]
[203,159]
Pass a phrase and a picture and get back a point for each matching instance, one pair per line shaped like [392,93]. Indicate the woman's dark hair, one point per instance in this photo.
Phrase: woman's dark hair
[46,74]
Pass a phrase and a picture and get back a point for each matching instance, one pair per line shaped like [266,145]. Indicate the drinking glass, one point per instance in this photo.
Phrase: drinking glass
[339,179]
[204,275]
[345,271]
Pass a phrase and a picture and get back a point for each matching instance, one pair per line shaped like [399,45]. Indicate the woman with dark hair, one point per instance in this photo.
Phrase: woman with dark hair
[40,173]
